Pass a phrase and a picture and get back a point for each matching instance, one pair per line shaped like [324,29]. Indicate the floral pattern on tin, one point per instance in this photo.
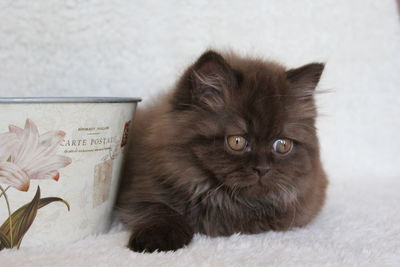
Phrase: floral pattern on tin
[24,155]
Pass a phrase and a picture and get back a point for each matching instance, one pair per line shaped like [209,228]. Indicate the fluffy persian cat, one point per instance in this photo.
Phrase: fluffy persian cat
[231,149]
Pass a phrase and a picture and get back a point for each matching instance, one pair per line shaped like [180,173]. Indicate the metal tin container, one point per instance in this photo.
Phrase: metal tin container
[60,161]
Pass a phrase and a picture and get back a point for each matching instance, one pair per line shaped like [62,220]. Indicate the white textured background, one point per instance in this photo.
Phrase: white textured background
[136,48]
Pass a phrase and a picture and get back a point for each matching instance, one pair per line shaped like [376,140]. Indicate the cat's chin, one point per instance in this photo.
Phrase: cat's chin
[254,189]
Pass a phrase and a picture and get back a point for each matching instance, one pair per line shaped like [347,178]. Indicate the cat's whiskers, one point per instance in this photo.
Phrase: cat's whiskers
[293,218]
[235,188]
[289,198]
[209,194]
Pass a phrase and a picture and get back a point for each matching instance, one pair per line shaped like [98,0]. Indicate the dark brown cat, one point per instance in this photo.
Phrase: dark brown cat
[232,149]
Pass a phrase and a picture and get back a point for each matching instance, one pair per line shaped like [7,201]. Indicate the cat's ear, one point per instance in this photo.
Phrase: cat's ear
[206,82]
[211,76]
[304,80]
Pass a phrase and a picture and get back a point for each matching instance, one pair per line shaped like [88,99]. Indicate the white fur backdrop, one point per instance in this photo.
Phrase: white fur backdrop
[139,48]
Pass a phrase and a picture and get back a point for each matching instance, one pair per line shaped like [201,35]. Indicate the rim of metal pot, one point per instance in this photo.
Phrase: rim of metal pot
[69,99]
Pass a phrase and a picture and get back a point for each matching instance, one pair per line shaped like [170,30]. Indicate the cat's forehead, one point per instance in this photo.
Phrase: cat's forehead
[253,122]
[262,102]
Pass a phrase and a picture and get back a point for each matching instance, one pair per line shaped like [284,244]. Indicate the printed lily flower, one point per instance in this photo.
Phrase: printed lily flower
[26,155]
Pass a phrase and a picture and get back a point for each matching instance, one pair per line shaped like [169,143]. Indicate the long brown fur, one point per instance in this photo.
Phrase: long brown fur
[181,179]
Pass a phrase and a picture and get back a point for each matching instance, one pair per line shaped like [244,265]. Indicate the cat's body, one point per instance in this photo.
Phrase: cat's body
[186,174]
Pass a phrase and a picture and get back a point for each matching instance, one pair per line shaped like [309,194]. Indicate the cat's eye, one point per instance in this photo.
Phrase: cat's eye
[236,142]
[282,146]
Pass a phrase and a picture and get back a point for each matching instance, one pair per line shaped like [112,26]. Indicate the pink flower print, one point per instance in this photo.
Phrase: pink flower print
[25,155]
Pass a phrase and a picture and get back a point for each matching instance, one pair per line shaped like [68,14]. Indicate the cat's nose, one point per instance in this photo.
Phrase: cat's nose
[261,171]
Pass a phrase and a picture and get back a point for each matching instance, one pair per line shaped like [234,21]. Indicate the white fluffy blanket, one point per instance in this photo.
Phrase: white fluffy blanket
[359,226]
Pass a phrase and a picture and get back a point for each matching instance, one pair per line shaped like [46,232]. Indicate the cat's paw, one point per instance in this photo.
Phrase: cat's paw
[161,237]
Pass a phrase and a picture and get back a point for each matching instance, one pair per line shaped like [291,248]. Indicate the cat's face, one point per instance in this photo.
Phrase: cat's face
[252,122]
